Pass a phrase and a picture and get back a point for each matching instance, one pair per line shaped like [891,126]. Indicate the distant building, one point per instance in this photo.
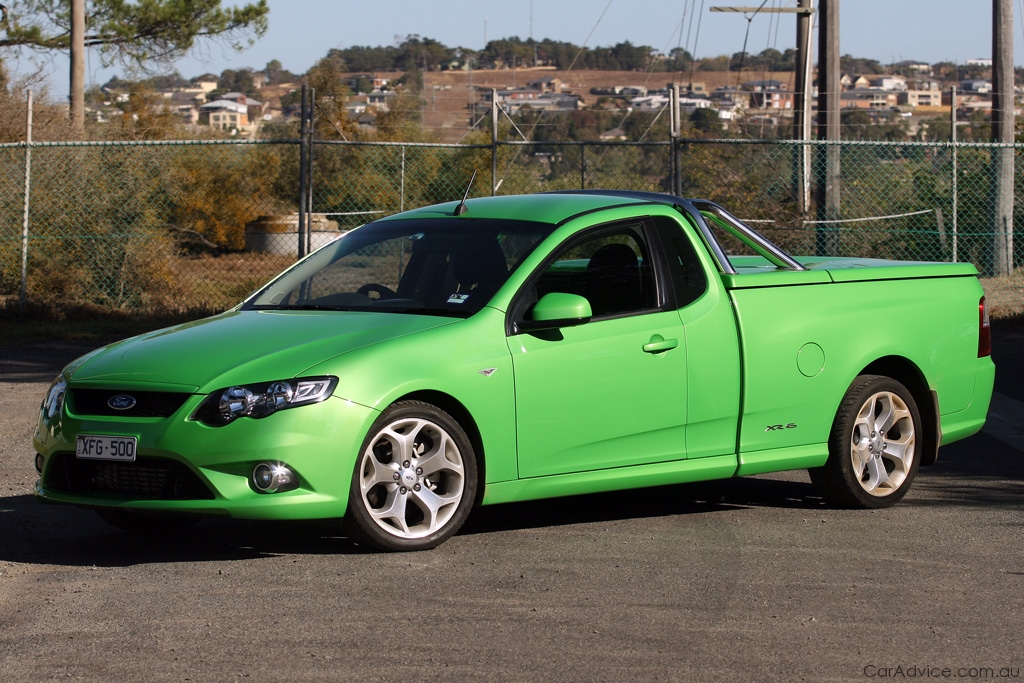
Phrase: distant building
[234,111]
[206,82]
[763,85]
[976,85]
[867,99]
[888,82]
[913,67]
[547,84]
[771,98]
[920,98]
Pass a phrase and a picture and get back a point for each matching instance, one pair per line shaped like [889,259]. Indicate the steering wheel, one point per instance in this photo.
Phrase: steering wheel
[382,291]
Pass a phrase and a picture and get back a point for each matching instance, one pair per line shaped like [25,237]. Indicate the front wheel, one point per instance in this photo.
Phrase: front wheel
[415,480]
[873,445]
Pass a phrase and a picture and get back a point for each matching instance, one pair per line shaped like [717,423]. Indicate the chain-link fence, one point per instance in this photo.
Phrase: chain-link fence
[192,226]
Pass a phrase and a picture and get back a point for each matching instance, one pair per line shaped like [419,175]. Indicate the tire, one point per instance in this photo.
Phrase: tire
[873,456]
[145,524]
[415,480]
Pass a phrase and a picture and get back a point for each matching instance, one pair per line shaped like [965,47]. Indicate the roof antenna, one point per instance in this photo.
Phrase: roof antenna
[461,208]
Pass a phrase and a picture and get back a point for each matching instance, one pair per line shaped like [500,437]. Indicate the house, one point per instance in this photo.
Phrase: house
[852,82]
[547,84]
[356,105]
[976,86]
[510,95]
[888,82]
[631,91]
[234,111]
[376,83]
[979,62]
[913,67]
[867,99]
[550,101]
[185,103]
[729,99]
[206,82]
[224,115]
[762,85]
[379,100]
[650,102]
[923,83]
[658,102]
[771,98]
[920,98]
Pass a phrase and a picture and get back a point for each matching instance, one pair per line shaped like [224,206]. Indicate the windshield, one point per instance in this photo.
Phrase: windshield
[440,266]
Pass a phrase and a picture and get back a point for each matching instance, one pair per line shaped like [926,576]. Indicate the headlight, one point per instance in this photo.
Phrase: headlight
[259,400]
[54,401]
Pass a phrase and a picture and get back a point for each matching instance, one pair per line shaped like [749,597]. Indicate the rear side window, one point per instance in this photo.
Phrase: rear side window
[689,281]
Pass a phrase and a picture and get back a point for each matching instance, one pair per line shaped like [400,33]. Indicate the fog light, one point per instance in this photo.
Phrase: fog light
[40,461]
[272,477]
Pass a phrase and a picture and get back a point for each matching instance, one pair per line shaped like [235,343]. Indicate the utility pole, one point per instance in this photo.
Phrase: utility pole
[829,89]
[802,107]
[1002,132]
[77,98]
[802,84]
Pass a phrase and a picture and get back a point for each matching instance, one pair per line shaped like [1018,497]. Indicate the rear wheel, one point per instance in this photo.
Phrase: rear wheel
[873,445]
[415,480]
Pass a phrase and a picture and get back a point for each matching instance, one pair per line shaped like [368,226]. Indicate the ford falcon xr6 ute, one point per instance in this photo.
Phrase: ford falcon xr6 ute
[513,348]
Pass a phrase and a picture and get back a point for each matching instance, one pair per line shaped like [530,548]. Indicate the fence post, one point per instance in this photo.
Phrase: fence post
[24,220]
[674,128]
[583,166]
[952,127]
[303,152]
[401,196]
[305,171]
[494,141]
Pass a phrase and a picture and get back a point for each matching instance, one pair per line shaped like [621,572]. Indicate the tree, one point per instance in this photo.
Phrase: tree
[134,33]
[327,77]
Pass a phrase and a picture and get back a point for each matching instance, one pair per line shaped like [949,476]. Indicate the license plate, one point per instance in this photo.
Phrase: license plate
[94,447]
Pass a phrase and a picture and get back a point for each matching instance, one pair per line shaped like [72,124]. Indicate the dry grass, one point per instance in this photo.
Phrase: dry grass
[1005,296]
[216,283]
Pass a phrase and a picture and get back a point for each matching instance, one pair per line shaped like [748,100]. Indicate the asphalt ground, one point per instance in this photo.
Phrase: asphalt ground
[750,579]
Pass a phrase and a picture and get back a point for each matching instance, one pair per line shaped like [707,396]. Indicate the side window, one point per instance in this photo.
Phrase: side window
[612,269]
[688,278]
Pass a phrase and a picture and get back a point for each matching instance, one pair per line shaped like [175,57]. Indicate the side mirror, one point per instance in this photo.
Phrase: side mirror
[557,309]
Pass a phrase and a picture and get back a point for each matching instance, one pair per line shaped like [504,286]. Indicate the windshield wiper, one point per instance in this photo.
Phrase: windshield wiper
[305,307]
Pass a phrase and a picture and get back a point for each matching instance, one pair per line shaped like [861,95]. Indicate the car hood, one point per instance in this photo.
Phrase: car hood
[241,347]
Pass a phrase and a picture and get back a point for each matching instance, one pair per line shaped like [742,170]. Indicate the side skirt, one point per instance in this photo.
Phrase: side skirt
[596,481]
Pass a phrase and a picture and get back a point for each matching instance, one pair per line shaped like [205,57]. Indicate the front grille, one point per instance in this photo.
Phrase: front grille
[148,403]
[146,478]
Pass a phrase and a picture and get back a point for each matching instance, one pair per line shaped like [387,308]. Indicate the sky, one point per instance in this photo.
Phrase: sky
[302,31]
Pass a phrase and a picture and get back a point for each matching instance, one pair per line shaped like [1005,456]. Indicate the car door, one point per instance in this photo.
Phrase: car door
[610,392]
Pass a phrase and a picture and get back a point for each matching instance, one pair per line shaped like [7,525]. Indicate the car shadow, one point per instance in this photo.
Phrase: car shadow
[978,472]
[35,533]
[662,501]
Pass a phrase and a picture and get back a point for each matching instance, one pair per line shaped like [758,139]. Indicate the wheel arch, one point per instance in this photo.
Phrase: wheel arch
[461,414]
[907,373]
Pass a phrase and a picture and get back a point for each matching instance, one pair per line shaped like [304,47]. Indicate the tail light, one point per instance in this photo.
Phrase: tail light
[984,330]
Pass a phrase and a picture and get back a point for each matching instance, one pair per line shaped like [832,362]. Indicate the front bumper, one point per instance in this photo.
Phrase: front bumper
[319,443]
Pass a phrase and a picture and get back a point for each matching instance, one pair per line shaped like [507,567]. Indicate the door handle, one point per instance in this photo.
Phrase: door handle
[659,344]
